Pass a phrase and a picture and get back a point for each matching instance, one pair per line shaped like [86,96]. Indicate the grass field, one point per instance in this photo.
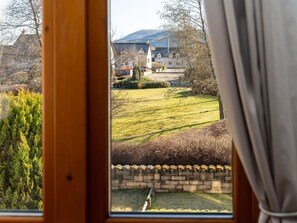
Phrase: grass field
[133,200]
[149,113]
[192,202]
[128,200]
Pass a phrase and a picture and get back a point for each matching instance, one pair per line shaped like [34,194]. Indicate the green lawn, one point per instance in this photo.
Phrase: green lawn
[192,202]
[149,114]
[133,200]
[128,200]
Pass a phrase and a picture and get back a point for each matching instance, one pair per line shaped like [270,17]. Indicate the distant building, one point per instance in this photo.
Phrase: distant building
[171,57]
[127,55]
[21,56]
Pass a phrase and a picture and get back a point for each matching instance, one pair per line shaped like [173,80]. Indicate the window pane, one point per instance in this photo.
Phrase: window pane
[171,150]
[20,105]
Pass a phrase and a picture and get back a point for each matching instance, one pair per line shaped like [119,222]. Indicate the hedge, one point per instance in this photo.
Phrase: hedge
[209,146]
[143,83]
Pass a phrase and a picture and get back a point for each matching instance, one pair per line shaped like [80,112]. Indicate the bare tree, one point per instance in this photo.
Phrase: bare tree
[22,15]
[186,19]
[130,56]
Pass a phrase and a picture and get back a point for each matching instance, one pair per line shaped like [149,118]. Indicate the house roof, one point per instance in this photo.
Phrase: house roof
[26,40]
[120,47]
[163,51]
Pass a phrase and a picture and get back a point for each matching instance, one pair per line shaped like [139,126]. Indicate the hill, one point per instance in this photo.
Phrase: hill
[158,38]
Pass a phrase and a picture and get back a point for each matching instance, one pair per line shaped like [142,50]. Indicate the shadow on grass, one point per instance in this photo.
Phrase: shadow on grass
[151,135]
[170,117]
[150,111]
[186,93]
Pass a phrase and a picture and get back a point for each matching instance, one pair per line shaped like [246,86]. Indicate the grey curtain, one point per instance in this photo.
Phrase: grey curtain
[254,45]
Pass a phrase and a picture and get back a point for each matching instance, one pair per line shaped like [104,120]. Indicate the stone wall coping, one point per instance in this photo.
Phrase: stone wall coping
[174,168]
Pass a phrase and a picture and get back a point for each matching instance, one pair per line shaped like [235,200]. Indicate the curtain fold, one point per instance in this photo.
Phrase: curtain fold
[254,45]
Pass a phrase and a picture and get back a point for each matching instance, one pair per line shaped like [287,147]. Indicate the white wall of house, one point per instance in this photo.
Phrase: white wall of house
[172,62]
[149,58]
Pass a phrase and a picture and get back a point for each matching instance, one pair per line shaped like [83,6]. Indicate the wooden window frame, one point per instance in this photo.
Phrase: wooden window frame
[75,122]
[64,114]
[244,202]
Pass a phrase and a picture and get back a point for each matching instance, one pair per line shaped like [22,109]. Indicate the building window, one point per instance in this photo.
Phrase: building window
[159,56]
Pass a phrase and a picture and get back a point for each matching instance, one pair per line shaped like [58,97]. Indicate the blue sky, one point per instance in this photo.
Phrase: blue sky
[128,16]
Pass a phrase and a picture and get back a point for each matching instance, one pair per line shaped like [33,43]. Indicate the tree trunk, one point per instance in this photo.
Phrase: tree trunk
[221,108]
[37,32]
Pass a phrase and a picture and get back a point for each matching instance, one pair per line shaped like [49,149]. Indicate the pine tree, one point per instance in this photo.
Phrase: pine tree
[20,151]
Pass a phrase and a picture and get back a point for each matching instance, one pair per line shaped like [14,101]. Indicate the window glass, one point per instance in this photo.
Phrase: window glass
[171,149]
[20,105]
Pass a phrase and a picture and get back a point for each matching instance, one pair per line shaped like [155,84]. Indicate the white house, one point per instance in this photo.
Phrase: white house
[127,55]
[170,57]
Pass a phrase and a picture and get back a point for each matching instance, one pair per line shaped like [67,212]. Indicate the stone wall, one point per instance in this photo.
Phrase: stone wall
[208,179]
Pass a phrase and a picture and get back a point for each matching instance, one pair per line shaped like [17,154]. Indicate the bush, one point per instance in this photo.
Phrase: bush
[211,145]
[21,151]
[205,87]
[156,65]
[140,84]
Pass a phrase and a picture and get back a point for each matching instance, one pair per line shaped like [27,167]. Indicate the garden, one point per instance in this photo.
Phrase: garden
[169,126]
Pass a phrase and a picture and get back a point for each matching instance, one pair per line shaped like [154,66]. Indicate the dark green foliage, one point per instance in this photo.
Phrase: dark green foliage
[140,84]
[20,151]
[137,73]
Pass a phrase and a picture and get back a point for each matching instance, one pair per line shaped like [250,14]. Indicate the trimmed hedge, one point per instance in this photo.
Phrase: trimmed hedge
[209,146]
[143,83]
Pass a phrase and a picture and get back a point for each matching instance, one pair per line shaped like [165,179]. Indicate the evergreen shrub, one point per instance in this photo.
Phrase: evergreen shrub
[143,83]
[20,151]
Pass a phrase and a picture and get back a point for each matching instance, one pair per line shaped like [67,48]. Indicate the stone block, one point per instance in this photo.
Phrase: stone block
[138,178]
[169,182]
[165,177]
[157,176]
[168,186]
[185,173]
[227,185]
[115,183]
[216,185]
[206,175]
[179,187]
[185,182]
[207,182]
[204,187]
[144,184]
[133,184]
[178,178]
[127,177]
[228,178]
[219,174]
[196,182]
[190,188]
[148,178]
[170,173]
[157,185]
